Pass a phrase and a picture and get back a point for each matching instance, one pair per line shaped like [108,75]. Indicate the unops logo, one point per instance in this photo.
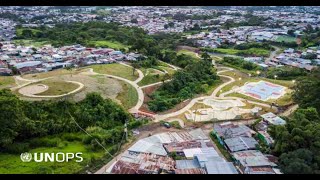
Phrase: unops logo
[51,157]
[26,157]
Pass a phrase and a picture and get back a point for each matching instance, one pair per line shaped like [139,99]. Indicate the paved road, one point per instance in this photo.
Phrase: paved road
[153,84]
[289,111]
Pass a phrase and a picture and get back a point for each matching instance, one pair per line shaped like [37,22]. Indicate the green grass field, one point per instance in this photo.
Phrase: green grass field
[19,31]
[57,87]
[116,70]
[129,96]
[251,51]
[189,53]
[11,163]
[27,42]
[149,79]
[286,39]
[109,44]
[6,81]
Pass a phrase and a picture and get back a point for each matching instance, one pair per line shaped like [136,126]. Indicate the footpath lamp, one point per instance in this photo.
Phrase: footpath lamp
[258,73]
[275,76]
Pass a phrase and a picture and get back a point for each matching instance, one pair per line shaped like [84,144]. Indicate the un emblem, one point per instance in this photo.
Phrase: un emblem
[26,157]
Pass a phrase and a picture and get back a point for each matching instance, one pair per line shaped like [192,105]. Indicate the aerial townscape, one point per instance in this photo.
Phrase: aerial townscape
[160,90]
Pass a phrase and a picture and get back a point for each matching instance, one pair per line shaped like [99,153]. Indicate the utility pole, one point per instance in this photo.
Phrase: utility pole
[126,130]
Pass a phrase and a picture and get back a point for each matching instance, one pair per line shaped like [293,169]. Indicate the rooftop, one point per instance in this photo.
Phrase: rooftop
[241,143]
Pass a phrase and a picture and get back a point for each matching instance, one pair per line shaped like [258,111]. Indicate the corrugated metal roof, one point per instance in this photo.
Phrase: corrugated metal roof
[252,158]
[190,153]
[220,168]
[231,130]
[241,143]
[190,171]
[187,164]
[147,147]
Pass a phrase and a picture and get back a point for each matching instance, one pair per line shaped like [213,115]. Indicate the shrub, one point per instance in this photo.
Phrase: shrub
[44,142]
[18,148]
[71,137]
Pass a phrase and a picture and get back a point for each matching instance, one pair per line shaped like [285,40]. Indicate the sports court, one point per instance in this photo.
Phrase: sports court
[262,90]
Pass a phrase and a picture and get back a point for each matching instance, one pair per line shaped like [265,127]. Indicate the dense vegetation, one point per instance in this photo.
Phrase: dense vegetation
[194,79]
[285,72]
[311,36]
[23,120]
[245,49]
[298,142]
[307,91]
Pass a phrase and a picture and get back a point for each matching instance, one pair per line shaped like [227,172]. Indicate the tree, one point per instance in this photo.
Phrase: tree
[291,32]
[206,57]
[307,90]
[134,21]
[135,66]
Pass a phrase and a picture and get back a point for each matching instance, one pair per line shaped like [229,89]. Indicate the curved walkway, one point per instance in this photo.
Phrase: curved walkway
[57,96]
[141,76]
[213,95]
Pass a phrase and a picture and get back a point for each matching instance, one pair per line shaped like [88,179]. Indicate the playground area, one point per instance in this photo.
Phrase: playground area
[219,110]
[262,90]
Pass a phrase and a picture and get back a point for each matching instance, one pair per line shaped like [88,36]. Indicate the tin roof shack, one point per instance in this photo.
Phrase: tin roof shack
[265,137]
[143,163]
[154,144]
[253,161]
[273,119]
[190,171]
[230,130]
[241,143]
[28,66]
[180,146]
[220,168]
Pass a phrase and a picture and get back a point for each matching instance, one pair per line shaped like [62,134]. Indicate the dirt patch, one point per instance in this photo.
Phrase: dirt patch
[33,89]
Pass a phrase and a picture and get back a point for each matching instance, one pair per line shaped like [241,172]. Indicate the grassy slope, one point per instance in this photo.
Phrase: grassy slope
[109,44]
[11,163]
[128,96]
[189,53]
[6,81]
[251,51]
[116,70]
[27,42]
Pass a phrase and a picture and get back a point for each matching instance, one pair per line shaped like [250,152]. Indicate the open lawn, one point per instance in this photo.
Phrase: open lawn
[285,39]
[11,163]
[6,82]
[251,51]
[57,87]
[128,96]
[189,53]
[20,30]
[149,79]
[27,42]
[109,44]
[116,70]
